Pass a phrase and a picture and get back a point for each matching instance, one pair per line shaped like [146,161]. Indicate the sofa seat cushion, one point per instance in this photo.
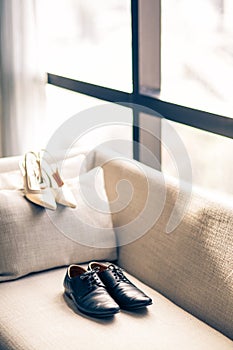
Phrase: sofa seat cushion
[36,316]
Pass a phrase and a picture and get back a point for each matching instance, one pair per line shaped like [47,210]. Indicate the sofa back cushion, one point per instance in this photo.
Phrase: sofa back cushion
[34,239]
[193,265]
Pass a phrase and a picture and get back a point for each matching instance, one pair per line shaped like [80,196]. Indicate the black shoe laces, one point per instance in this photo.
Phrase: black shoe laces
[118,273]
[92,278]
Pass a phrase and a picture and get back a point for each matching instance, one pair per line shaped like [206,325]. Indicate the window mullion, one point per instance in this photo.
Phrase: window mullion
[135,47]
[149,14]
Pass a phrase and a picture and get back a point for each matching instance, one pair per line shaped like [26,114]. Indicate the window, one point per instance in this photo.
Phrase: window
[88,41]
[210,156]
[63,104]
[197,54]
[181,67]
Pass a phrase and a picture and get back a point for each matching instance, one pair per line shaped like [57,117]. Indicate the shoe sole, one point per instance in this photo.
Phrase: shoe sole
[102,315]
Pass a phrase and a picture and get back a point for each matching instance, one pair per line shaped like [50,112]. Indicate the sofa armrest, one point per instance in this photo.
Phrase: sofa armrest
[192,265]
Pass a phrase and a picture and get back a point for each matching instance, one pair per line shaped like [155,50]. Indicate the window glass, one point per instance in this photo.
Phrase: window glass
[210,156]
[88,40]
[63,104]
[197,54]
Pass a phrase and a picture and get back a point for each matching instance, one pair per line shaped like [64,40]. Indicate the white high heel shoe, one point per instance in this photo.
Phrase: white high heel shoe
[61,191]
[34,190]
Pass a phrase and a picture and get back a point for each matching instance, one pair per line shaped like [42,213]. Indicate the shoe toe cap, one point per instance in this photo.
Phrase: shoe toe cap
[133,298]
[107,307]
[101,305]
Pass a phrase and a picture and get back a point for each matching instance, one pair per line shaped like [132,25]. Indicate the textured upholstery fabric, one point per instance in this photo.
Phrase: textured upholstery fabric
[11,180]
[193,265]
[35,316]
[34,239]
[11,177]
[8,164]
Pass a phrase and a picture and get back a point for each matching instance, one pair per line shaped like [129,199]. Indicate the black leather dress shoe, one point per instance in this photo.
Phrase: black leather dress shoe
[124,292]
[88,292]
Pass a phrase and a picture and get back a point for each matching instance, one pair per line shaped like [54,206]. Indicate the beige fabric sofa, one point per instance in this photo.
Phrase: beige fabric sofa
[188,273]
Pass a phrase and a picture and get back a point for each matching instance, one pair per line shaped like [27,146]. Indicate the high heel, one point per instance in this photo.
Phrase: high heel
[34,189]
[61,191]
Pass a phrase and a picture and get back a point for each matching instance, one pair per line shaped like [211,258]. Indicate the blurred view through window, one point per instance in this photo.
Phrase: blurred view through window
[197,54]
[88,40]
